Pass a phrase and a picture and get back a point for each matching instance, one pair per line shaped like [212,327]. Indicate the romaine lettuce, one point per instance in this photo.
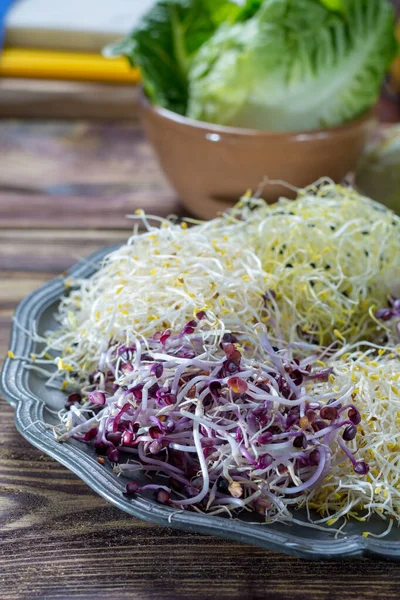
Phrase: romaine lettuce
[293,64]
[164,42]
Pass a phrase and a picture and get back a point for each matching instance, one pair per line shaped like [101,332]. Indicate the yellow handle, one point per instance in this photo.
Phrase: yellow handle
[395,70]
[46,64]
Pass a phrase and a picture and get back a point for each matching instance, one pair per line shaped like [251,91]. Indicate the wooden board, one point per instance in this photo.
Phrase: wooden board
[77,175]
[43,99]
[46,99]
[73,25]
[59,540]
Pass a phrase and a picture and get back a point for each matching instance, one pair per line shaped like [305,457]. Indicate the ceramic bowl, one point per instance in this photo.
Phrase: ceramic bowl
[211,166]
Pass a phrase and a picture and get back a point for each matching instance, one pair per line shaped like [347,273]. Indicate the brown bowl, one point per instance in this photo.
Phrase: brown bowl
[211,166]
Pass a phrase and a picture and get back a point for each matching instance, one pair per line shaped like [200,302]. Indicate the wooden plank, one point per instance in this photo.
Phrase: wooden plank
[78,175]
[71,25]
[79,212]
[50,251]
[46,99]
[13,287]
[55,157]
[42,99]
[5,326]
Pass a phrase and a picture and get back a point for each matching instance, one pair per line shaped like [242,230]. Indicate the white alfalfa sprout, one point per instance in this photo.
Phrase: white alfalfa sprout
[159,280]
[331,255]
[374,377]
[310,269]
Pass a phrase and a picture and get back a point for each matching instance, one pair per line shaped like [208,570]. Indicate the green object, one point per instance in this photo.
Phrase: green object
[294,65]
[379,173]
[165,41]
[264,64]
[334,4]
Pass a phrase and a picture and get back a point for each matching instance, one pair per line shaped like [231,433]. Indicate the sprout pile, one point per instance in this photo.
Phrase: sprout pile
[375,379]
[159,280]
[321,262]
[246,363]
[228,427]
[331,255]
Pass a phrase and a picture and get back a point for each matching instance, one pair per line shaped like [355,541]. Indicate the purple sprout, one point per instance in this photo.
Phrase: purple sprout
[157,369]
[113,454]
[239,415]
[131,488]
[74,398]
[330,413]
[391,313]
[97,397]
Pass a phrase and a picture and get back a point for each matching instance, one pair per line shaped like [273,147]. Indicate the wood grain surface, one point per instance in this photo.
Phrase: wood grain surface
[41,98]
[57,99]
[64,191]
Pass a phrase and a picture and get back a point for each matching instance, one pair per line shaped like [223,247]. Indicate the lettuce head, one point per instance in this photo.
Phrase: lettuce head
[293,64]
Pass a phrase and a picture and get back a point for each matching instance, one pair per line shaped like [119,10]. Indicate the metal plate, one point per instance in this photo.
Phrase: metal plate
[25,390]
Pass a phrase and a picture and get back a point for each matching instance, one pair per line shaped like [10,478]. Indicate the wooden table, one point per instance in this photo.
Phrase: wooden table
[64,191]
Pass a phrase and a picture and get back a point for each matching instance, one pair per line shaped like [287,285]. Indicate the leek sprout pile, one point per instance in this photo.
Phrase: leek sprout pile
[250,362]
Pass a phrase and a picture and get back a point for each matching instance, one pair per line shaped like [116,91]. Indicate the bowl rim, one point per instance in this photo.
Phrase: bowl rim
[175,118]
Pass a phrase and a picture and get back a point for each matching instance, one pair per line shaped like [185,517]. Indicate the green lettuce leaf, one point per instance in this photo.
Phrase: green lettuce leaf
[294,64]
[164,42]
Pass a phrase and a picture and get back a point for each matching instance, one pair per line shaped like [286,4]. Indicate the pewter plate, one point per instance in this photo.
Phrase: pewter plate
[25,390]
